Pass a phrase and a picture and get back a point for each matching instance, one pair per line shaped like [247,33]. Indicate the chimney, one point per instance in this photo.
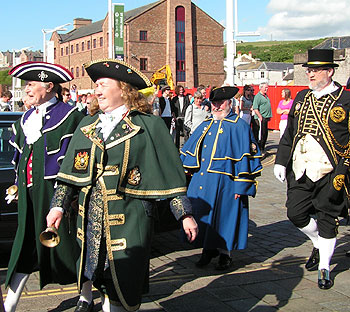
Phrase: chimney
[80,22]
[239,54]
[250,54]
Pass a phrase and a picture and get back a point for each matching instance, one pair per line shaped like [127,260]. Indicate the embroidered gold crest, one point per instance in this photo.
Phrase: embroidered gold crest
[337,114]
[338,181]
[81,161]
[134,177]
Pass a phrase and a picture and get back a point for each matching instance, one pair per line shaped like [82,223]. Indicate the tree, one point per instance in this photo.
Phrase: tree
[5,78]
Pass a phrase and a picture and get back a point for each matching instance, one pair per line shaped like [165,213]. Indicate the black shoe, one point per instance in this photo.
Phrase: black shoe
[313,261]
[83,306]
[207,255]
[224,263]
[324,281]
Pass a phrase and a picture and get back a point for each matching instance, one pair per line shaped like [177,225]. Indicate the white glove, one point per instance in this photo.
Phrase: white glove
[279,172]
[9,198]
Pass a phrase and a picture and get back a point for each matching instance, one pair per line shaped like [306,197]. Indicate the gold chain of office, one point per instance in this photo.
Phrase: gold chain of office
[331,139]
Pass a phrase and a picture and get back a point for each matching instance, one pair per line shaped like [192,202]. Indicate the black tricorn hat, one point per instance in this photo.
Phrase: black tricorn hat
[320,58]
[118,70]
[41,71]
[223,93]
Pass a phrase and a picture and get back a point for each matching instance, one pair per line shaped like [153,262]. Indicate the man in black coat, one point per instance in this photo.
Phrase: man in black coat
[180,102]
[314,156]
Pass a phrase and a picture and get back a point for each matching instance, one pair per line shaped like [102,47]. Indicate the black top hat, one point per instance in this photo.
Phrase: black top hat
[118,70]
[222,93]
[41,71]
[320,58]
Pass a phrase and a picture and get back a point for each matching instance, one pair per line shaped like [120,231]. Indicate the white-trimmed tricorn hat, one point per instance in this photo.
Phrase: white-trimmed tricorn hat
[41,71]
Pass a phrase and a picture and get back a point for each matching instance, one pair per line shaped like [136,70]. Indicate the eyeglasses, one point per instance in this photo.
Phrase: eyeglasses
[67,94]
[315,70]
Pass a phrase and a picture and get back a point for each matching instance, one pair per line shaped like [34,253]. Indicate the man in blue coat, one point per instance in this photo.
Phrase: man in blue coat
[223,159]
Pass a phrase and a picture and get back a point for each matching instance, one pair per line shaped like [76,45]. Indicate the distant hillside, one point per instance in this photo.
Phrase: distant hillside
[277,51]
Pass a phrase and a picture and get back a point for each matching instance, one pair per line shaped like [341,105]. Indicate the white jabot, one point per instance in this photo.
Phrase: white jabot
[108,121]
[34,123]
[309,157]
[327,90]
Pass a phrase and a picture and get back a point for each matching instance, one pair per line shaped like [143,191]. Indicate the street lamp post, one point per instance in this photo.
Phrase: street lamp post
[14,63]
[231,33]
[48,31]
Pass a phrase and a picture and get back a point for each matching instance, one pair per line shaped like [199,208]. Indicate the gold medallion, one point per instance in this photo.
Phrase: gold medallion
[337,114]
[338,181]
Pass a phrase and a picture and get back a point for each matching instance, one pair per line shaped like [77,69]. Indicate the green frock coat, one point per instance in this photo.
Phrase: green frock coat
[135,165]
[55,265]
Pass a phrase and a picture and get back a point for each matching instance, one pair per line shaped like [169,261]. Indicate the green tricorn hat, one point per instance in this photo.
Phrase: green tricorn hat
[222,93]
[118,70]
[320,58]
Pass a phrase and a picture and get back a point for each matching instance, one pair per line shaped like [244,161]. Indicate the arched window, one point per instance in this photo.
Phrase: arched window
[180,43]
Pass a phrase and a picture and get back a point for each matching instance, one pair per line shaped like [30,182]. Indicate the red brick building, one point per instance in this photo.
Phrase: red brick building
[167,32]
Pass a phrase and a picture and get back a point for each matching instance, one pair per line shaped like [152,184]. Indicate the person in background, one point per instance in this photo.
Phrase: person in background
[246,104]
[205,101]
[314,156]
[263,114]
[222,158]
[195,113]
[283,109]
[154,101]
[180,103]
[81,104]
[5,105]
[166,108]
[40,139]
[74,93]
[235,103]
[120,161]
[91,105]
[66,96]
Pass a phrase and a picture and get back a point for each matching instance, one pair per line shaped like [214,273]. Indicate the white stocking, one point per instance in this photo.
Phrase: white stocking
[17,284]
[326,246]
[108,307]
[311,232]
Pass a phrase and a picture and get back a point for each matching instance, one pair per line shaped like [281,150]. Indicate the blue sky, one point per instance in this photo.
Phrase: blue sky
[21,21]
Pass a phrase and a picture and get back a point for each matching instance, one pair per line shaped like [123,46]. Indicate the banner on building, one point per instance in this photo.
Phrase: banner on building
[118,23]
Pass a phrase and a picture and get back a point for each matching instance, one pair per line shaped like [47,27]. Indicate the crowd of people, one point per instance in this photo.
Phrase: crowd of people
[92,167]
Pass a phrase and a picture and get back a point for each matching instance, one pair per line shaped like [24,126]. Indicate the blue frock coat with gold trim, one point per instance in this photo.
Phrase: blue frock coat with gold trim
[223,159]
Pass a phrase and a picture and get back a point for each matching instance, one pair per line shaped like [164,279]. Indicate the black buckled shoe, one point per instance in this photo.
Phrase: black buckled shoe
[324,281]
[83,306]
[313,261]
[224,263]
[207,255]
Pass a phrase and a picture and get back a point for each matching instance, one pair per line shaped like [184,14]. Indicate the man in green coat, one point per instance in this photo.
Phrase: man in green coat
[120,161]
[41,138]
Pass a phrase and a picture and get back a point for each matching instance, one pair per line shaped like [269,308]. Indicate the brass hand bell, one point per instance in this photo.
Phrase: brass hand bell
[49,237]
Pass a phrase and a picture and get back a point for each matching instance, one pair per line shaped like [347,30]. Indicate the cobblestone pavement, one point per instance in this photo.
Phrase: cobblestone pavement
[267,276]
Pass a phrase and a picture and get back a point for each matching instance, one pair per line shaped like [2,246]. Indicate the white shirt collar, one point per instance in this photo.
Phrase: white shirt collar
[109,120]
[42,108]
[327,90]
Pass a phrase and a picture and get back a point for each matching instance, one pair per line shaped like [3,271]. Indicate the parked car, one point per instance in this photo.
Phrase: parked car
[8,212]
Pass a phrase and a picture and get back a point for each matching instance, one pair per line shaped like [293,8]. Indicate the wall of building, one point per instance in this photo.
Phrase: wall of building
[208,49]
[204,48]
